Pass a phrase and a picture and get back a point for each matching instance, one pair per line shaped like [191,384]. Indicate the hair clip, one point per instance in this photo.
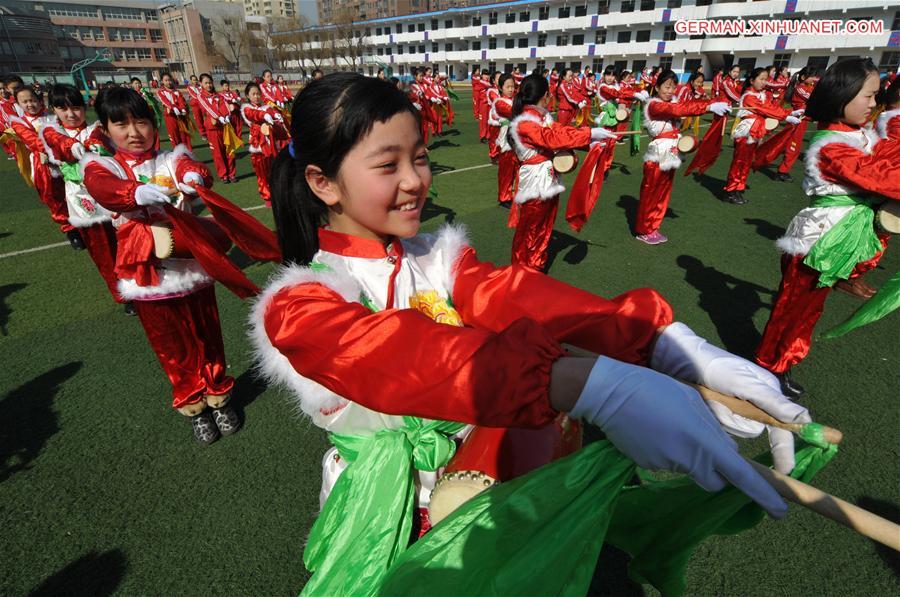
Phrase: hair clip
[291,149]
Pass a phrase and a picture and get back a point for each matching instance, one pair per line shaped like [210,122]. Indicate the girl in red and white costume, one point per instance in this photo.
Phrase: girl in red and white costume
[216,114]
[777,83]
[492,95]
[690,91]
[420,96]
[284,92]
[194,90]
[553,79]
[570,98]
[362,292]
[263,148]
[755,106]
[517,76]
[233,101]
[627,80]
[732,86]
[489,94]
[661,115]
[611,91]
[849,171]
[535,138]
[270,92]
[9,108]
[174,111]
[174,298]
[718,83]
[888,125]
[66,141]
[508,169]
[47,179]
[477,93]
[797,94]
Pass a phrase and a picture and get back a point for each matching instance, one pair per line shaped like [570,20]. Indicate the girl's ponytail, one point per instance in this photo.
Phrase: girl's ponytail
[531,91]
[297,210]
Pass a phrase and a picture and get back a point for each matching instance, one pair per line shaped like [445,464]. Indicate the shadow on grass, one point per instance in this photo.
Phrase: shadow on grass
[437,168]
[91,574]
[730,303]
[5,291]
[442,143]
[715,186]
[629,204]
[5,234]
[765,228]
[891,512]
[433,210]
[559,242]
[247,388]
[27,419]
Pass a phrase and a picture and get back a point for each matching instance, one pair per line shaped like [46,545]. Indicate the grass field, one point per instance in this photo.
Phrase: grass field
[102,489]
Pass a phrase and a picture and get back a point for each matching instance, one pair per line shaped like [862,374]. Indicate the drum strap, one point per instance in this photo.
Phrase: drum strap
[367,521]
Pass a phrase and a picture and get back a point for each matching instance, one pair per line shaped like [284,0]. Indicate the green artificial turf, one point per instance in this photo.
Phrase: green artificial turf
[102,489]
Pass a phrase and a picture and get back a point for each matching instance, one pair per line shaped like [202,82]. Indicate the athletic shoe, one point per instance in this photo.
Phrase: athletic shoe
[129,309]
[75,240]
[205,430]
[789,387]
[654,238]
[226,420]
[736,198]
[785,177]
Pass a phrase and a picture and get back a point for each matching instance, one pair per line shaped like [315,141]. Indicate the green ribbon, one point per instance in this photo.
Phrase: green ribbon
[850,241]
[368,519]
[452,94]
[607,115]
[70,172]
[887,299]
[154,104]
[637,118]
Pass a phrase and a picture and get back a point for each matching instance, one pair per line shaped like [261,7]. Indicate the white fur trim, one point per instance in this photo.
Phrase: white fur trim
[451,240]
[792,246]
[523,152]
[883,120]
[243,116]
[814,181]
[105,162]
[80,222]
[53,125]
[177,277]
[274,367]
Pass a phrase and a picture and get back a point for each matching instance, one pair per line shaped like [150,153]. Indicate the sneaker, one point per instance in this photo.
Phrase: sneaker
[785,177]
[789,387]
[736,198]
[226,181]
[75,240]
[205,430]
[129,309]
[226,420]
[654,238]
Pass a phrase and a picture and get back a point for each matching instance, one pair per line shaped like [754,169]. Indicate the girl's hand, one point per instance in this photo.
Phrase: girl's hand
[151,194]
[78,151]
[792,120]
[599,133]
[642,96]
[719,108]
[190,180]
[223,120]
[268,118]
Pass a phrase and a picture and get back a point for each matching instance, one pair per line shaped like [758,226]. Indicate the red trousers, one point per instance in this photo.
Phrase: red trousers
[10,148]
[533,231]
[100,242]
[176,137]
[507,176]
[185,334]
[437,119]
[483,126]
[198,118]
[609,154]
[224,163]
[564,116]
[794,145]
[449,107]
[262,166]
[493,133]
[52,193]
[740,164]
[237,122]
[656,189]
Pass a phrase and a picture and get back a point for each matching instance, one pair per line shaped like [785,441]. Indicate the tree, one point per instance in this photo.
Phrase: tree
[230,41]
[348,41]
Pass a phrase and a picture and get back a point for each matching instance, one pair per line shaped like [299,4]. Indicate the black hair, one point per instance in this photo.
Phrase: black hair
[133,79]
[494,76]
[166,74]
[504,78]
[224,82]
[394,80]
[842,82]
[193,77]
[118,103]
[623,75]
[250,86]
[890,95]
[609,70]
[26,88]
[268,70]
[63,95]
[13,79]
[329,117]
[751,75]
[531,90]
[662,78]
[315,70]
[800,76]
[695,74]
[205,76]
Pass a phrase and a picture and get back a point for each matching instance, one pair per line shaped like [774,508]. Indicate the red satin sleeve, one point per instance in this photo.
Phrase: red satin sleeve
[504,110]
[877,172]
[186,164]
[400,362]
[110,191]
[254,116]
[28,135]
[670,110]
[767,110]
[554,137]
[623,328]
[60,144]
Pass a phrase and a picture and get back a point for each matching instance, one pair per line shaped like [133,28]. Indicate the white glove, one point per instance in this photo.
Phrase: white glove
[719,108]
[417,106]
[280,104]
[582,104]
[78,151]
[268,118]
[223,120]
[435,100]
[190,180]
[642,96]
[662,424]
[176,111]
[151,194]
[792,120]
[798,113]
[598,133]
[681,353]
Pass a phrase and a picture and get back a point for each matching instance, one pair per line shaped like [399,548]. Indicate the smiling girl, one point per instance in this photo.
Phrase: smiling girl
[392,341]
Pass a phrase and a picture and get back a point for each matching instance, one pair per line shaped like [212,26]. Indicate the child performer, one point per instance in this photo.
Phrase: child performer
[509,165]
[888,125]
[570,97]
[66,141]
[554,85]
[270,91]
[362,292]
[46,177]
[717,90]
[476,93]
[849,172]
[151,100]
[194,90]
[263,147]
[661,116]
[284,92]
[8,109]
[492,95]
[174,112]
[692,90]
[626,81]
[175,298]
[535,138]
[798,92]
[611,92]
[777,83]
[755,106]
[217,114]
[421,99]
[233,101]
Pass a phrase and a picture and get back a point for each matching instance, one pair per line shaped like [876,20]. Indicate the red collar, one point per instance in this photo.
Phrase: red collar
[80,127]
[123,157]
[354,246]
[838,126]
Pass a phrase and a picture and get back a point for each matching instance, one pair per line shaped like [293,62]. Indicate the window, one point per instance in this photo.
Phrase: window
[511,17]
[578,39]
[600,37]
[562,40]
[623,37]
[642,35]
[422,49]
[542,40]
[896,25]
[704,2]
[402,70]
[410,28]
[139,34]
[121,14]
[543,13]
[638,65]
[448,47]
[524,17]
[398,28]
[669,33]
[821,62]
[68,10]
[492,66]
[142,53]
[781,60]
[575,66]
[507,68]
[597,65]
[448,24]
[673,4]
[421,27]
[400,50]
[492,18]
[581,11]
[559,66]
[523,42]
[540,66]
[380,51]
[564,12]
[627,6]
[665,62]
[648,4]
[156,35]
[476,21]
[691,65]
[434,46]
[748,64]
[434,24]
[603,7]
[523,68]
[889,62]
[492,43]
[476,45]
[377,30]
[161,54]
[620,65]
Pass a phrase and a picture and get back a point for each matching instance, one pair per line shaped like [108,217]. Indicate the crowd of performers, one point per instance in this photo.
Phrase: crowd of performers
[452,341]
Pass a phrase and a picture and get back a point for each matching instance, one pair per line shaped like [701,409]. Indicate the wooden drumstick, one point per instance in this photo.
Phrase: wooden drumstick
[853,517]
